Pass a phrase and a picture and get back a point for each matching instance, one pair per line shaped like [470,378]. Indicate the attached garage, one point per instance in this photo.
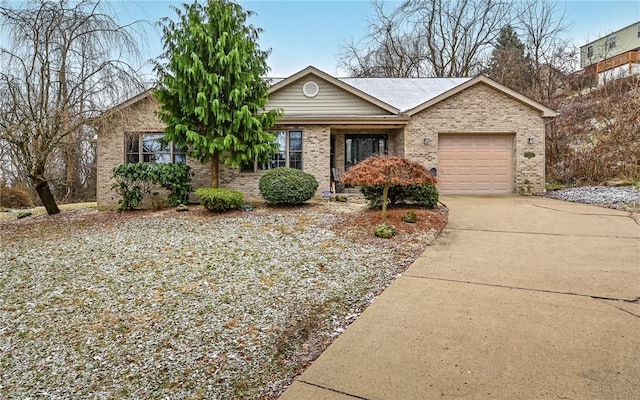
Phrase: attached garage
[475,164]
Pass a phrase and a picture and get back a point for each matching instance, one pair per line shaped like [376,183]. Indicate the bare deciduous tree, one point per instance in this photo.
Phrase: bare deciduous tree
[438,38]
[65,62]
[543,26]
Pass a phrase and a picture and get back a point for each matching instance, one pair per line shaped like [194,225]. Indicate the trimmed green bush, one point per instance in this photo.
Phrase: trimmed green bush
[410,217]
[384,231]
[419,195]
[216,199]
[287,186]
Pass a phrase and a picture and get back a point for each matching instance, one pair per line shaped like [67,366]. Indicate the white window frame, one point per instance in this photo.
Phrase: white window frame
[590,52]
[612,42]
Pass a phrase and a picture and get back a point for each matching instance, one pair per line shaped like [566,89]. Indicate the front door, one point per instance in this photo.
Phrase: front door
[359,147]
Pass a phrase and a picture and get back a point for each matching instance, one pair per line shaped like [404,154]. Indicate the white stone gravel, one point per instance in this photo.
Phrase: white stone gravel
[600,195]
[167,308]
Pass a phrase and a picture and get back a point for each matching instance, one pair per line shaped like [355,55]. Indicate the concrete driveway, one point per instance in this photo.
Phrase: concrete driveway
[519,298]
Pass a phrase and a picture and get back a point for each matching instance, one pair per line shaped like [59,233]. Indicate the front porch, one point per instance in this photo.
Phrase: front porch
[350,145]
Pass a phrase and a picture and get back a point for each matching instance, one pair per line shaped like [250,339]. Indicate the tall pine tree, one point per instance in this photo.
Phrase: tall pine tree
[212,89]
[508,64]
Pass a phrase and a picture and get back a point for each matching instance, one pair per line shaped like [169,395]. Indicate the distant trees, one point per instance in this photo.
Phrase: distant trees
[508,63]
[519,44]
[543,27]
[437,38]
[212,89]
[63,64]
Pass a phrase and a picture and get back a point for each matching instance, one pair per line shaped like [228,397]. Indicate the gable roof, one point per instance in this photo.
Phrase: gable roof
[544,110]
[310,70]
[409,95]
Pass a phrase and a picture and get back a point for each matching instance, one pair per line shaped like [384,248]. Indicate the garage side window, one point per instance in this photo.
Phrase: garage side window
[148,148]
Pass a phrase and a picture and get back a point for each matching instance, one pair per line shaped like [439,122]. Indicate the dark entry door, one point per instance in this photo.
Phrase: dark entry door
[359,147]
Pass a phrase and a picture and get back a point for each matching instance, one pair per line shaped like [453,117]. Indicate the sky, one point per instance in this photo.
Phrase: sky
[309,32]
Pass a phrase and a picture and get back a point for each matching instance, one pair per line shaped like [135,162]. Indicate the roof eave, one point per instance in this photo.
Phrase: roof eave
[545,111]
[344,119]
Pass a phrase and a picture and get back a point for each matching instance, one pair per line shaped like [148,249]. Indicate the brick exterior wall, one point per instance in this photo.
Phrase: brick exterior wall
[140,118]
[482,109]
[137,118]
[315,160]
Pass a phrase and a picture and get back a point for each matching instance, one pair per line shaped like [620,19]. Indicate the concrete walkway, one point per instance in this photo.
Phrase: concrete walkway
[519,298]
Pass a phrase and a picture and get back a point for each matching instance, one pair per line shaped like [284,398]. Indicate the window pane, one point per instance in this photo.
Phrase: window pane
[151,144]
[278,160]
[281,140]
[179,158]
[132,144]
[158,158]
[295,141]
[133,158]
[295,160]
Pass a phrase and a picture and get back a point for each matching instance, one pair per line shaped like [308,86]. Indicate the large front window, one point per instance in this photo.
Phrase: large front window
[148,148]
[289,153]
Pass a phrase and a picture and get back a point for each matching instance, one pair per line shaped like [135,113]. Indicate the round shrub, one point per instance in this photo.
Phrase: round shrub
[216,199]
[287,186]
[384,231]
[410,217]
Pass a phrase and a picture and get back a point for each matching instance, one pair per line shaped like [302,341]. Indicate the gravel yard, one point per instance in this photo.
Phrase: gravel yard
[625,197]
[142,305]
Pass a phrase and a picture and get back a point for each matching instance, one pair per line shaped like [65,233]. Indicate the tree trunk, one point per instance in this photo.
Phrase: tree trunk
[72,176]
[214,171]
[385,194]
[49,202]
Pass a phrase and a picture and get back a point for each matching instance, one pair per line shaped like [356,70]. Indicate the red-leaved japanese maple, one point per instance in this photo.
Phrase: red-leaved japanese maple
[387,171]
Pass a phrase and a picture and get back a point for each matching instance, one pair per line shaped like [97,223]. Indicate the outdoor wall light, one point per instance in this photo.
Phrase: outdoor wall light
[426,140]
[532,140]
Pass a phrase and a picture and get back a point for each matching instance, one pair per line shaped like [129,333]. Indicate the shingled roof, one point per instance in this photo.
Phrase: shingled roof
[404,93]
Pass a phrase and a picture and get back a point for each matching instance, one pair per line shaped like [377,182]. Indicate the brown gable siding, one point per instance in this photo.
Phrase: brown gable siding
[331,100]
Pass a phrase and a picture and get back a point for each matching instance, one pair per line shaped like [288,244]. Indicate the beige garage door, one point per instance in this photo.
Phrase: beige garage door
[475,164]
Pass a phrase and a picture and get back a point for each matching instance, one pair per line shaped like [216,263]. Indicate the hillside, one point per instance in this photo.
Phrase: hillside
[596,137]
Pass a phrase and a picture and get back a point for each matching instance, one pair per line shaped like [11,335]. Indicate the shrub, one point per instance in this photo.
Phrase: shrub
[287,186]
[420,195]
[134,181]
[216,199]
[384,231]
[14,198]
[340,198]
[410,217]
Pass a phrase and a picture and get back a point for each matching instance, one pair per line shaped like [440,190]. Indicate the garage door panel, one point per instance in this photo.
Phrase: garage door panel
[475,164]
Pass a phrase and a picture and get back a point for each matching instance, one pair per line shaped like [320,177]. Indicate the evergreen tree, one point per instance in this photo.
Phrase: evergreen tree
[213,90]
[508,64]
